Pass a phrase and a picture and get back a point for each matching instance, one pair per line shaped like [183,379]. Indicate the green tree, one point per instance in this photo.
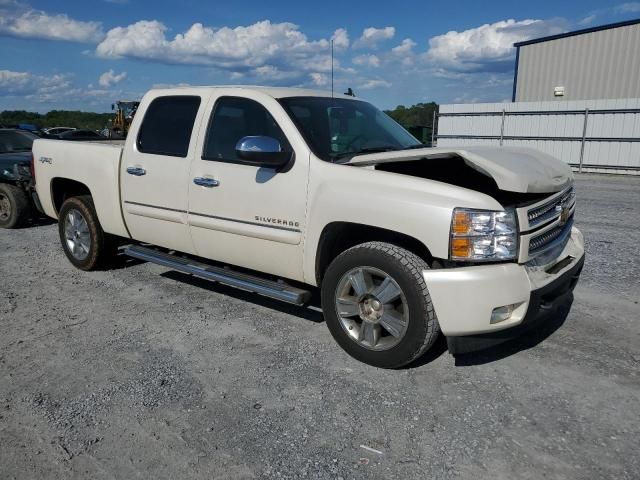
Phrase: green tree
[57,118]
[418,119]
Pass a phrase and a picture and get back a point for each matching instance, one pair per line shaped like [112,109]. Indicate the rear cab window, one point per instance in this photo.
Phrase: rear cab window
[167,125]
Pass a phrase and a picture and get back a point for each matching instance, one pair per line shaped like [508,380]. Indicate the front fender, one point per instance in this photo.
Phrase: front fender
[418,208]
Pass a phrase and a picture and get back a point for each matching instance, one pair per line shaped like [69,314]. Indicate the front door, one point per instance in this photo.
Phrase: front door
[155,171]
[248,215]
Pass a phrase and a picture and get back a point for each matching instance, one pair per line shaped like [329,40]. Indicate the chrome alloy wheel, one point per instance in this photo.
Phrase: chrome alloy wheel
[76,234]
[5,207]
[372,308]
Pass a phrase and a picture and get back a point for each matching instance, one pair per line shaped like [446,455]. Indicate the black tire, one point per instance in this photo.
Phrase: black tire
[101,247]
[405,268]
[14,200]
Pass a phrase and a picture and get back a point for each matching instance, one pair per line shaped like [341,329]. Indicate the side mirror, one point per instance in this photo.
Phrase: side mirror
[262,151]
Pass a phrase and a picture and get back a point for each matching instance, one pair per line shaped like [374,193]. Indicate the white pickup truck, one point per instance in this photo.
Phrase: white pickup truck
[278,191]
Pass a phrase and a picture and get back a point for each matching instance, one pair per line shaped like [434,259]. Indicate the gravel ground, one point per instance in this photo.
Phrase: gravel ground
[141,372]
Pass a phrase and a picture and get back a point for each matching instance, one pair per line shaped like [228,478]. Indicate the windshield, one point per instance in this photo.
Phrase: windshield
[336,129]
[12,141]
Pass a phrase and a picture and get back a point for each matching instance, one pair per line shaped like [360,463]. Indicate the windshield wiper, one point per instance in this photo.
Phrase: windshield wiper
[414,147]
[384,148]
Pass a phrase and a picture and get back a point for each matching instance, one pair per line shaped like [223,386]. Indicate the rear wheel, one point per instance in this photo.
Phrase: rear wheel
[84,242]
[14,206]
[377,305]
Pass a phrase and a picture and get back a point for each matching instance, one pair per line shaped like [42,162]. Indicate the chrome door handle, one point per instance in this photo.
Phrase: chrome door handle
[206,182]
[137,171]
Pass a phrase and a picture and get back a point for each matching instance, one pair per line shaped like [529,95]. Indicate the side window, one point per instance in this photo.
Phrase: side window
[234,118]
[167,125]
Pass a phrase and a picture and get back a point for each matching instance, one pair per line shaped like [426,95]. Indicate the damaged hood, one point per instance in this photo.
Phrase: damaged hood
[514,169]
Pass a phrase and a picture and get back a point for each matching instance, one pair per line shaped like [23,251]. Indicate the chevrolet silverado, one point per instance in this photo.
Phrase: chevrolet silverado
[280,190]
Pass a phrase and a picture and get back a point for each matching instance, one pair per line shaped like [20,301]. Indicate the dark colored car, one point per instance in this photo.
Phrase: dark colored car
[17,195]
[57,130]
[78,134]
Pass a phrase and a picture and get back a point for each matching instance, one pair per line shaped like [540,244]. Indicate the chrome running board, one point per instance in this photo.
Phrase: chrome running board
[268,288]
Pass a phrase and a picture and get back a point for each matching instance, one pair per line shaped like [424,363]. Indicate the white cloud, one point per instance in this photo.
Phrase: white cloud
[271,73]
[319,79]
[26,83]
[372,36]
[43,92]
[279,45]
[170,85]
[340,39]
[488,47]
[143,39]
[110,78]
[405,48]
[367,60]
[588,20]
[404,52]
[630,7]
[20,20]
[309,63]
[370,84]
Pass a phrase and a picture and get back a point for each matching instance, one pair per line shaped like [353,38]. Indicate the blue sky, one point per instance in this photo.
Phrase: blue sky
[85,54]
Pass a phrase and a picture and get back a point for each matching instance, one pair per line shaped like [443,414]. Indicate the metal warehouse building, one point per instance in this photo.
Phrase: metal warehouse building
[595,63]
[576,96]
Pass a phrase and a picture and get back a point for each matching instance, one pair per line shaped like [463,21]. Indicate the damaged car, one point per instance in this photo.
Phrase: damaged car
[283,191]
[18,199]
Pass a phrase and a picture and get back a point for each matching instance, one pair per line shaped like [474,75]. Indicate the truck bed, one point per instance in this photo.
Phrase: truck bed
[95,164]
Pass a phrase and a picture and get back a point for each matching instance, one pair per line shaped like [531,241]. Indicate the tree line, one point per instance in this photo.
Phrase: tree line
[418,115]
[56,118]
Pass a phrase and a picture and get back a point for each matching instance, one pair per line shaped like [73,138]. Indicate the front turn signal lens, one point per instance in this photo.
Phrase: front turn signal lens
[461,222]
[483,235]
[461,247]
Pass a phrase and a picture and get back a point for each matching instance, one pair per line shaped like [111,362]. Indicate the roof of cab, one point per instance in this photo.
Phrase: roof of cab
[275,92]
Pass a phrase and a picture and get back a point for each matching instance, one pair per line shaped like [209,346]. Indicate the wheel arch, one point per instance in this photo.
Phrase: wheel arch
[336,237]
[8,181]
[64,188]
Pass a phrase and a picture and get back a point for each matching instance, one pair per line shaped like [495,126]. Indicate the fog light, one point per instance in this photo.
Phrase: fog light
[500,314]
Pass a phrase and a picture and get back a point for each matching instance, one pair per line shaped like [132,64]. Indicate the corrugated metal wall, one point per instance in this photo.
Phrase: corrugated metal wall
[612,135]
[601,64]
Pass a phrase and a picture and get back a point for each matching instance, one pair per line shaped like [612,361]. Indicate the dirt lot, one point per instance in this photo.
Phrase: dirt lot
[138,372]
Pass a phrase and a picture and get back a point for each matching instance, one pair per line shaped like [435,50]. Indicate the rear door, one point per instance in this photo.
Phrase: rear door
[248,215]
[155,169]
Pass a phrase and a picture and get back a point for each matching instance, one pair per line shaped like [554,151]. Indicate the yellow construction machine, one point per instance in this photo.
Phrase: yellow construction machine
[124,111]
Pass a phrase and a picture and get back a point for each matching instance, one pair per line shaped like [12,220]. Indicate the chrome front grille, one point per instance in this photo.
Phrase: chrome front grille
[551,210]
[550,238]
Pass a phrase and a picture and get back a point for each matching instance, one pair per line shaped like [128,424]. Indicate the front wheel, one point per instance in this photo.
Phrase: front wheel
[377,306]
[84,242]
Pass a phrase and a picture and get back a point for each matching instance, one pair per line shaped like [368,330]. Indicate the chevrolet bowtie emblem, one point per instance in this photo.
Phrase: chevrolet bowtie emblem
[564,213]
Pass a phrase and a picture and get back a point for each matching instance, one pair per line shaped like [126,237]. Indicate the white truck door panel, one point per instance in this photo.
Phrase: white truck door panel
[155,170]
[248,215]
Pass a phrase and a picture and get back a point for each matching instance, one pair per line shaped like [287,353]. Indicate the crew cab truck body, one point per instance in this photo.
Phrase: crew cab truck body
[290,187]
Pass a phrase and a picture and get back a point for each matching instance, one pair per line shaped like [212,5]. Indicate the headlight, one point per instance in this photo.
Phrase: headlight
[483,235]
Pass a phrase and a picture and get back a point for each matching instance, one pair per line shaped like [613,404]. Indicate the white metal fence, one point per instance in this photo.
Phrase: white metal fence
[592,135]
